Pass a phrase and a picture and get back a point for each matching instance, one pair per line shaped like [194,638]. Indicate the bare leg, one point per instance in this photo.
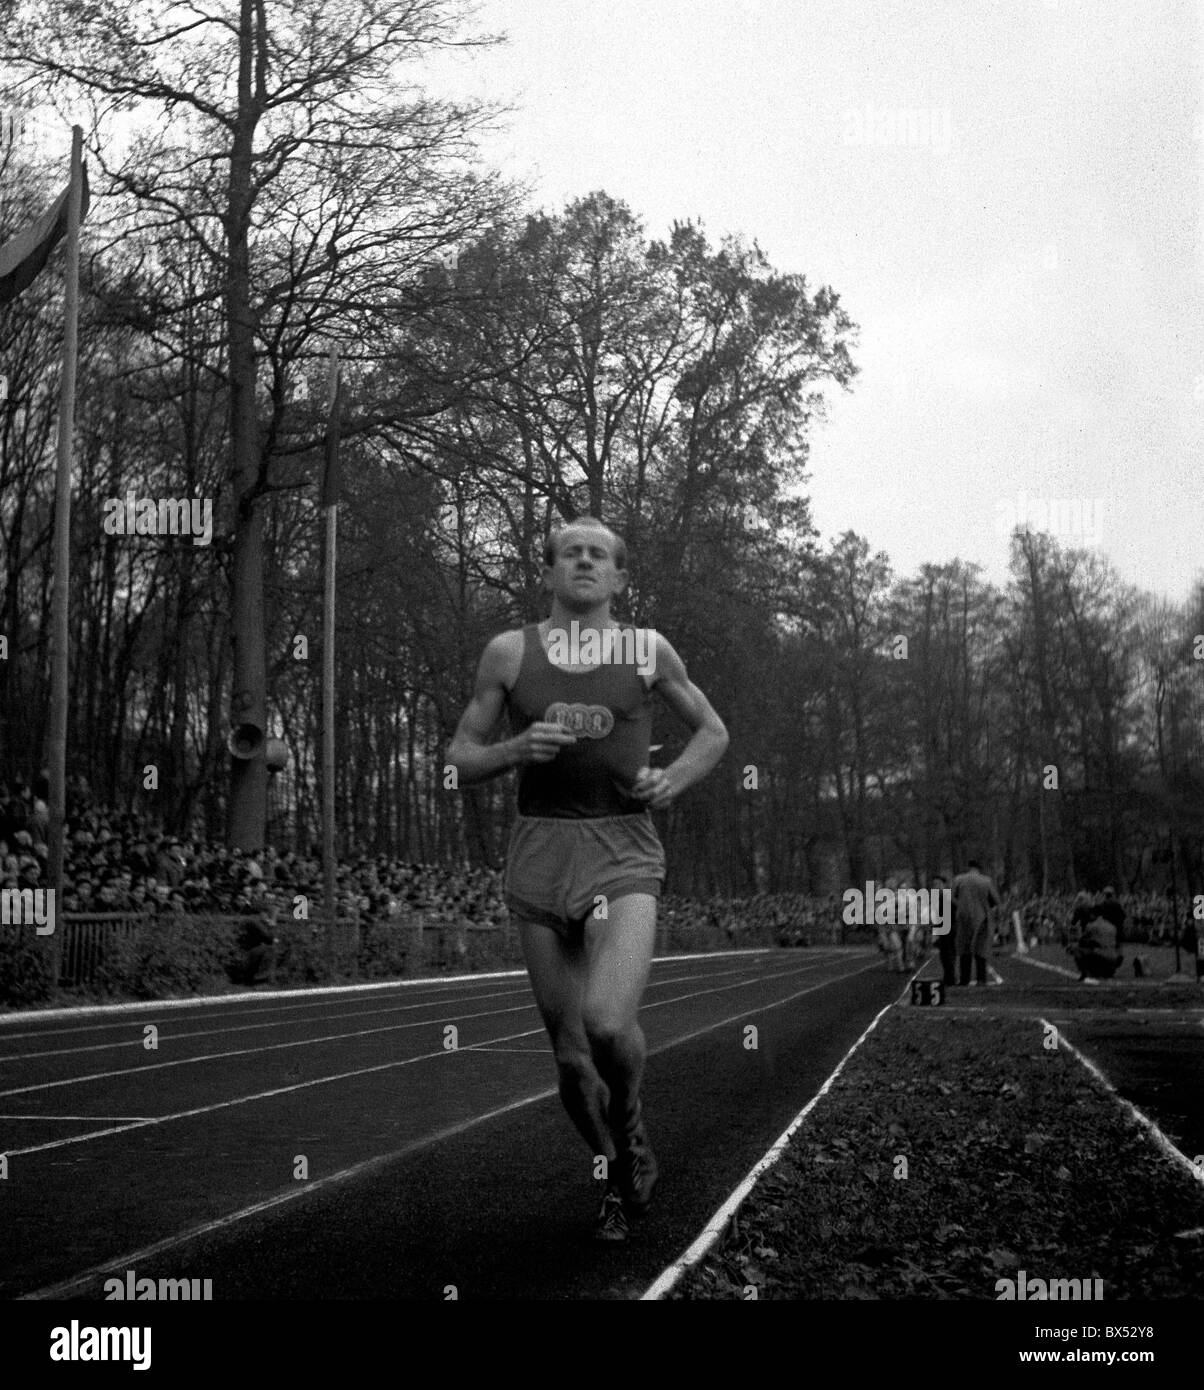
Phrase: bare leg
[558,979]
[619,957]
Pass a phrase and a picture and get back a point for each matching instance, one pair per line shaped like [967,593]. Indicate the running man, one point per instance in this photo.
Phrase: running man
[585,865]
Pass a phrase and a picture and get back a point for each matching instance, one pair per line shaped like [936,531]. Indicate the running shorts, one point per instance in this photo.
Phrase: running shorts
[557,868]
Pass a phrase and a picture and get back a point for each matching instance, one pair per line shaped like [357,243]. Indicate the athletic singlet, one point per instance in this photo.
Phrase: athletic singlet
[608,709]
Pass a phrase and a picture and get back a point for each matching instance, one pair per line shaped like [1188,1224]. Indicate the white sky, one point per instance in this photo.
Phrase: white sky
[1027,272]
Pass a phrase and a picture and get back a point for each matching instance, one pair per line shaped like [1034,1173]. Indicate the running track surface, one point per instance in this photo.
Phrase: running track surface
[427,1166]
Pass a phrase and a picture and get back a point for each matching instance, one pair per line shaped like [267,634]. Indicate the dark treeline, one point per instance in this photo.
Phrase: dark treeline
[504,368]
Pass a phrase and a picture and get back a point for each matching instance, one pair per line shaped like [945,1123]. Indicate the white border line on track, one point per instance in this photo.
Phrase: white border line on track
[1171,1150]
[77,1282]
[669,1276]
[243,996]
[713,1229]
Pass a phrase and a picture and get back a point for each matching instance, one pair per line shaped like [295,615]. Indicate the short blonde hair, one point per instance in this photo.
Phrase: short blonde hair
[552,544]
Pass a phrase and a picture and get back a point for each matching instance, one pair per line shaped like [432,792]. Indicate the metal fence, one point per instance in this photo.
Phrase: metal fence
[124,954]
[85,943]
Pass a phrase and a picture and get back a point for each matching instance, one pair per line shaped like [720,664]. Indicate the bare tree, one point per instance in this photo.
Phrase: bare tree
[283,137]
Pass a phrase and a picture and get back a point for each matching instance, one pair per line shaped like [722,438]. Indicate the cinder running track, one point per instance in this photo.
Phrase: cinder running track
[335,1147]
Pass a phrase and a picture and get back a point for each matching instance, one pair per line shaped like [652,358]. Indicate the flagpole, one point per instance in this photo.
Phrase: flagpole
[331,510]
[62,527]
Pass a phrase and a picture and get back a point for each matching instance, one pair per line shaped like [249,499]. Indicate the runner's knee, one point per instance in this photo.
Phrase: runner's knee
[605,1026]
[572,1054]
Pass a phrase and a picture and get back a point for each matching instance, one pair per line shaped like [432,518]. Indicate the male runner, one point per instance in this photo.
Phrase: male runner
[585,864]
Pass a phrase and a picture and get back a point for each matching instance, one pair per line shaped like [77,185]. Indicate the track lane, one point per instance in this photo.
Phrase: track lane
[136,1091]
[132,1035]
[134,1188]
[54,1069]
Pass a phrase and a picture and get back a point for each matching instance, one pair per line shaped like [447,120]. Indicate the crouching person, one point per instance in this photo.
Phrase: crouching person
[256,943]
[1096,955]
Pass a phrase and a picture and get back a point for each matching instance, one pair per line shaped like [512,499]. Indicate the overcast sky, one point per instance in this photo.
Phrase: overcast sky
[1006,196]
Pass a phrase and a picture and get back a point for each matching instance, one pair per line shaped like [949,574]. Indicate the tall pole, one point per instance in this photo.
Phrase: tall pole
[330,510]
[62,526]
[1174,901]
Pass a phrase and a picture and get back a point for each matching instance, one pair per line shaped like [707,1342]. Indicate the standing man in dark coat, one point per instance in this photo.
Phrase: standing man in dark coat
[974,896]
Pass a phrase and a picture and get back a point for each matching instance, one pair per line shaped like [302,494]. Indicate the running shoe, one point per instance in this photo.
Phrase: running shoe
[637,1170]
[611,1225]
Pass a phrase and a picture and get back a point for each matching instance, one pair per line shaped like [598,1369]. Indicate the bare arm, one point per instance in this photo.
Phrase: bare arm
[659,786]
[470,752]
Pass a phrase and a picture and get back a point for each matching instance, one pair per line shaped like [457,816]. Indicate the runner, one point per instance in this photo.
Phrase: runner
[585,864]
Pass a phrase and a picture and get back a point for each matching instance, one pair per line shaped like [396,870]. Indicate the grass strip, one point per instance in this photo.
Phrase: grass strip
[952,1152]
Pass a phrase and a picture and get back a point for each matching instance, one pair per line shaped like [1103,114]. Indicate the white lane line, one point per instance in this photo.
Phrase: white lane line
[238,1100]
[252,1051]
[358,1033]
[103,1119]
[356,1170]
[240,1028]
[290,1022]
[342,1076]
[530,1051]
[1171,1150]
[131,1260]
[714,1228]
[296,1012]
[266,1000]
[1047,965]
[246,996]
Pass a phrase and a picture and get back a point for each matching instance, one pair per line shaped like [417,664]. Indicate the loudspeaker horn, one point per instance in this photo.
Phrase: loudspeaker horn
[246,741]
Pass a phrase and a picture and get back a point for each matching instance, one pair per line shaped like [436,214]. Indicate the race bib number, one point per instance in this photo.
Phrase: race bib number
[585,721]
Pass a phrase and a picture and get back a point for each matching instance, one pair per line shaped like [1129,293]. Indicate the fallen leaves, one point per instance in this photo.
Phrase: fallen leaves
[1032,1167]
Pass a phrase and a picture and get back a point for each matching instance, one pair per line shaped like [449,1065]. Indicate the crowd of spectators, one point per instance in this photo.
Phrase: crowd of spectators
[1058,917]
[789,919]
[115,863]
